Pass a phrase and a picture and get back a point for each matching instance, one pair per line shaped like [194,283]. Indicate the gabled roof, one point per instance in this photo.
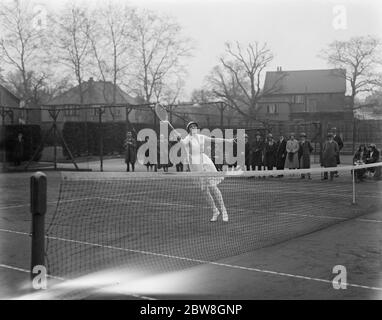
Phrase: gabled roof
[305,81]
[94,92]
[9,92]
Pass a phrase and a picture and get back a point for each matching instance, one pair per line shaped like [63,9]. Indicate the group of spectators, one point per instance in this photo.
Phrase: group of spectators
[266,153]
[366,155]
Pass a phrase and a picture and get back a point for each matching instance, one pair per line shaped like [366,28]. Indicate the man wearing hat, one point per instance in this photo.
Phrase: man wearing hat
[257,149]
[330,152]
[304,154]
[340,143]
[270,150]
[281,153]
[373,157]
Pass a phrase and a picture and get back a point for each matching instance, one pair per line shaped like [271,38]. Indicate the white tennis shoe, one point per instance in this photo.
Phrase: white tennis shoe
[215,215]
[225,215]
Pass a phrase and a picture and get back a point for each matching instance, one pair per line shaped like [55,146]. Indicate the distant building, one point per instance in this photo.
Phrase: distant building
[94,94]
[304,94]
[8,99]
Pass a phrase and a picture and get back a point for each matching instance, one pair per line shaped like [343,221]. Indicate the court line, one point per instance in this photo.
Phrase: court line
[203,262]
[238,208]
[72,200]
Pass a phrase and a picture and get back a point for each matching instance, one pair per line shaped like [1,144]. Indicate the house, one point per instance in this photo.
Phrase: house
[8,99]
[94,94]
[304,94]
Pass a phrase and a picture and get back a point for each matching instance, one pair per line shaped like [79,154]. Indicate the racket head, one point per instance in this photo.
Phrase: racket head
[161,112]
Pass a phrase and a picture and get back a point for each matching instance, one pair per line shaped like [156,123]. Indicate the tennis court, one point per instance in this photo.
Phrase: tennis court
[149,236]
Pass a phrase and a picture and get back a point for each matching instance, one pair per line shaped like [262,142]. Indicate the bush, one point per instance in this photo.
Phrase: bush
[32,140]
[83,138]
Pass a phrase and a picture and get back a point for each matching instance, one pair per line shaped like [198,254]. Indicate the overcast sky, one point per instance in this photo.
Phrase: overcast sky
[295,30]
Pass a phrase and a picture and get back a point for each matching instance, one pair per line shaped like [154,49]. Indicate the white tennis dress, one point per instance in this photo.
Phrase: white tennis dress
[198,160]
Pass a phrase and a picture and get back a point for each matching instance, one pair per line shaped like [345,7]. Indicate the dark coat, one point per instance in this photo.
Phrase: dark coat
[270,155]
[304,154]
[130,150]
[340,146]
[329,154]
[247,148]
[372,158]
[257,148]
[18,149]
[281,154]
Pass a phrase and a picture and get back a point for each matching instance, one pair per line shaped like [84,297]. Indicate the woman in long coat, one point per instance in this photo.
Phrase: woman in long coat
[130,145]
[257,149]
[304,154]
[270,151]
[292,147]
[330,152]
[281,153]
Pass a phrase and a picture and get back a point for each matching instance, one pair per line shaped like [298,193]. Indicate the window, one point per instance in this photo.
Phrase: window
[297,99]
[72,112]
[272,108]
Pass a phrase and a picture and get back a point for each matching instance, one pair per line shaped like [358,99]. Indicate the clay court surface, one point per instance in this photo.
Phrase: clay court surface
[298,268]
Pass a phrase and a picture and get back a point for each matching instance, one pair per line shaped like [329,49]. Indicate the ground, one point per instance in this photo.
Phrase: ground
[299,267]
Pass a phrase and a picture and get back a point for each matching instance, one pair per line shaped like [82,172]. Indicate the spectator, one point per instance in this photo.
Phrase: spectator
[130,146]
[329,155]
[150,166]
[18,149]
[218,159]
[247,153]
[270,151]
[167,163]
[257,152]
[281,153]
[340,143]
[359,159]
[372,156]
[304,154]
[179,166]
[292,148]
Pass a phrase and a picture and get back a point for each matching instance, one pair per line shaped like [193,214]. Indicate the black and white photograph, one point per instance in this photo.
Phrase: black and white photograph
[209,152]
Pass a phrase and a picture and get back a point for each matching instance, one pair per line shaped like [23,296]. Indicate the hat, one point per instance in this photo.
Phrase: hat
[372,145]
[329,134]
[292,134]
[258,133]
[302,134]
[270,135]
[334,128]
[191,123]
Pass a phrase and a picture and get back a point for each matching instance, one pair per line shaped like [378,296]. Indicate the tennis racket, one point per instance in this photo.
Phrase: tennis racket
[162,114]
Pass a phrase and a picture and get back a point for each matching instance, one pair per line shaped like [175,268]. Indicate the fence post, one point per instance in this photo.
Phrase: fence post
[38,201]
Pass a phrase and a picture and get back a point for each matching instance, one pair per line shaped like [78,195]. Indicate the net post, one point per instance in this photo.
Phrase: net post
[353,183]
[38,203]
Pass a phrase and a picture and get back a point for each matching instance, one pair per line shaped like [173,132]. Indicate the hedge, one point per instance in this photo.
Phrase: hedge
[83,138]
[32,140]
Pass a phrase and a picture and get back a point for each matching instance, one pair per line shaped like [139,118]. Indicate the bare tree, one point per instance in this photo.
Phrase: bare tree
[22,49]
[202,96]
[110,38]
[159,50]
[72,43]
[237,79]
[359,58]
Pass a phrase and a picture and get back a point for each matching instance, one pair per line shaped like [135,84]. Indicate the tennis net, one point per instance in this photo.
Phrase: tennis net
[161,222]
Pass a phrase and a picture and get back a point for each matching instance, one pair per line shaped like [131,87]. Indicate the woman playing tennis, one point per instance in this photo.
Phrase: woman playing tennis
[199,162]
